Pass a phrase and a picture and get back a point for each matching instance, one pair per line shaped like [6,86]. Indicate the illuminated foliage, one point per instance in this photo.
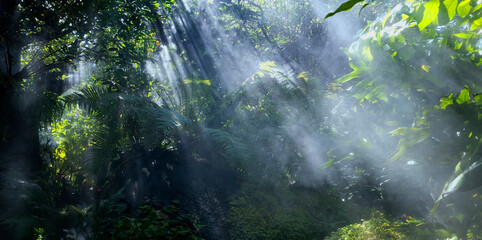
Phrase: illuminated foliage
[409,59]
[199,99]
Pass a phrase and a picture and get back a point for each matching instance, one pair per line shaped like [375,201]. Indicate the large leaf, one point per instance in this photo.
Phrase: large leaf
[464,8]
[357,72]
[464,96]
[451,6]
[467,180]
[446,101]
[346,6]
[462,180]
[429,14]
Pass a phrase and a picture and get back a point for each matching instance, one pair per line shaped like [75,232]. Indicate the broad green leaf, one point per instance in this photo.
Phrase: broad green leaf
[464,96]
[357,72]
[464,8]
[478,99]
[346,6]
[451,6]
[455,182]
[467,180]
[464,35]
[478,22]
[349,77]
[446,101]
[418,13]
[473,26]
[478,7]
[430,13]
[443,16]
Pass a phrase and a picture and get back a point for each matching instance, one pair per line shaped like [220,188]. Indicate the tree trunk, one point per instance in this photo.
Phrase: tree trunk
[20,146]
[19,114]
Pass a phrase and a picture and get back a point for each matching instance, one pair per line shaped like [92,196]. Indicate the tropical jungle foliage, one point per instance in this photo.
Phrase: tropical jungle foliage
[240,119]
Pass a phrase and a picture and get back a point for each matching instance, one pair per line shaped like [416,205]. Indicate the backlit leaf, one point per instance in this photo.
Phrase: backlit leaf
[466,180]
[478,7]
[464,8]
[464,35]
[451,6]
[478,99]
[464,96]
[430,13]
[478,22]
[346,6]
[358,72]
[446,101]
[426,68]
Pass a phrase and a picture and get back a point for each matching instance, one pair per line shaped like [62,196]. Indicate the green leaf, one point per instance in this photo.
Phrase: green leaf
[464,8]
[443,16]
[206,82]
[464,35]
[446,101]
[451,6]
[426,68]
[464,96]
[358,72]
[346,6]
[430,13]
[478,22]
[478,99]
[478,7]
[400,131]
[327,164]
[364,6]
[467,180]
[418,13]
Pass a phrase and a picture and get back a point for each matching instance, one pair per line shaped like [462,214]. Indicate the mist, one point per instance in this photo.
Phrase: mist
[230,119]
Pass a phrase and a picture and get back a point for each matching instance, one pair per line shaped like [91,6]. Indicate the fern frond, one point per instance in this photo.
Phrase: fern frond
[233,149]
[87,98]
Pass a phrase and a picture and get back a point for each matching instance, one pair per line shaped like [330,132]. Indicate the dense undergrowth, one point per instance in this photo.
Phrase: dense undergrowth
[224,119]
[286,212]
[379,226]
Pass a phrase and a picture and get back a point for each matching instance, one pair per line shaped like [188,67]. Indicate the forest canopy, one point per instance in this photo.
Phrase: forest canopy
[240,119]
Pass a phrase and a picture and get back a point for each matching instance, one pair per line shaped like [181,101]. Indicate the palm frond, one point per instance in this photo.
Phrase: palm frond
[87,98]
[232,148]
[158,124]
[127,118]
